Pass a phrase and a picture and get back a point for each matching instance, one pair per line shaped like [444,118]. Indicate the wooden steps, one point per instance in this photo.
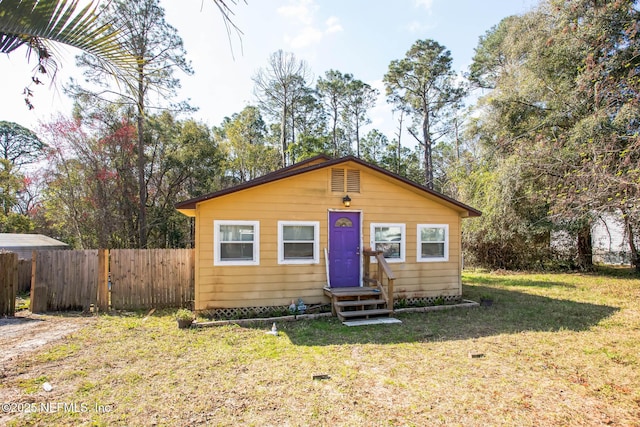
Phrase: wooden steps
[358,303]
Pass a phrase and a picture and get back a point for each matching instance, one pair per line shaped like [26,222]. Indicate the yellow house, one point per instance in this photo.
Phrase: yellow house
[301,231]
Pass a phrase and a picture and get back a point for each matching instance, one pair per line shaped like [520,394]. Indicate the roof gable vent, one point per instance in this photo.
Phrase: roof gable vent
[338,184]
[337,180]
[353,181]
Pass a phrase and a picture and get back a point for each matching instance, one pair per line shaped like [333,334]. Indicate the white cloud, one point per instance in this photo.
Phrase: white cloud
[306,37]
[416,27]
[333,25]
[425,4]
[299,10]
[302,13]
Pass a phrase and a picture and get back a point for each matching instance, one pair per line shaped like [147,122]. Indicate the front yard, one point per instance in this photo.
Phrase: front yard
[553,349]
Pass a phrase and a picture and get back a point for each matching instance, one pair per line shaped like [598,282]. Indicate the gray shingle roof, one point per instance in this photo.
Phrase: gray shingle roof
[14,240]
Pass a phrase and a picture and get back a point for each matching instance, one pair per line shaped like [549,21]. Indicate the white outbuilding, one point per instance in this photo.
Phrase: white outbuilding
[25,244]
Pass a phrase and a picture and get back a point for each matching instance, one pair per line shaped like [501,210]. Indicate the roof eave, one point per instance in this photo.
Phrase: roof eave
[191,212]
[190,205]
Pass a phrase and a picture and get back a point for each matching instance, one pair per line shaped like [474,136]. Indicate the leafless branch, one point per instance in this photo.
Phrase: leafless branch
[227,18]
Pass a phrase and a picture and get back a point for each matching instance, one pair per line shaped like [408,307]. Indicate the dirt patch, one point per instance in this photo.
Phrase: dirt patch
[27,332]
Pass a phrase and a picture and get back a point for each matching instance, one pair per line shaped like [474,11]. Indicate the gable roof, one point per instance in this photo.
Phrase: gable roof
[320,162]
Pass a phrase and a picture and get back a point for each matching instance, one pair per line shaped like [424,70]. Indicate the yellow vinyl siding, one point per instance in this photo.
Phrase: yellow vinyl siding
[308,197]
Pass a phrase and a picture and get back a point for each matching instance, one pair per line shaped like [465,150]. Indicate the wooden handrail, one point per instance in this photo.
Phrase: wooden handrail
[383,270]
[382,262]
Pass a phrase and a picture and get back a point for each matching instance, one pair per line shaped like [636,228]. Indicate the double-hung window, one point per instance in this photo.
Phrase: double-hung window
[390,239]
[236,242]
[298,242]
[433,242]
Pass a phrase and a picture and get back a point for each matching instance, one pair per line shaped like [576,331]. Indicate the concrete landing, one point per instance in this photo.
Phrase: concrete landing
[378,321]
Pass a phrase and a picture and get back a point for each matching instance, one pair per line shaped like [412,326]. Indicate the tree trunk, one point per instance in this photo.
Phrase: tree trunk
[293,129]
[455,121]
[357,136]
[399,138]
[585,249]
[426,137]
[142,215]
[335,134]
[635,258]
[283,135]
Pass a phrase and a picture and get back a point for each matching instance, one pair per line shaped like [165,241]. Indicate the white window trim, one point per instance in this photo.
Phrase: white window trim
[316,242]
[419,243]
[403,241]
[216,242]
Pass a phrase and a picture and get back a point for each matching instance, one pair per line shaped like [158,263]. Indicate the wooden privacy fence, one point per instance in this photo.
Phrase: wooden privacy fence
[8,283]
[64,280]
[151,278]
[118,279]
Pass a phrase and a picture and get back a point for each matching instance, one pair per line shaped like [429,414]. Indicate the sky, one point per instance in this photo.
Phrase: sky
[360,37]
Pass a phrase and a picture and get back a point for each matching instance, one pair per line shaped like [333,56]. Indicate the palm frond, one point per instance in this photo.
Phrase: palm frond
[37,23]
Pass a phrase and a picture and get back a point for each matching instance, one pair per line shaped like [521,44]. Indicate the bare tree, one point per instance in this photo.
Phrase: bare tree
[277,87]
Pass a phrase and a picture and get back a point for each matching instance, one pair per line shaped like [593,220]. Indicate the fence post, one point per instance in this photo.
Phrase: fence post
[38,288]
[8,283]
[103,280]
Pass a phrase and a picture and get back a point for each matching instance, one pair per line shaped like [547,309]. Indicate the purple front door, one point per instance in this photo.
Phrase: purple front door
[344,249]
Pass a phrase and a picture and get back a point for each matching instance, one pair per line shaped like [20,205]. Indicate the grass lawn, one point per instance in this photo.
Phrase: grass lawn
[554,349]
